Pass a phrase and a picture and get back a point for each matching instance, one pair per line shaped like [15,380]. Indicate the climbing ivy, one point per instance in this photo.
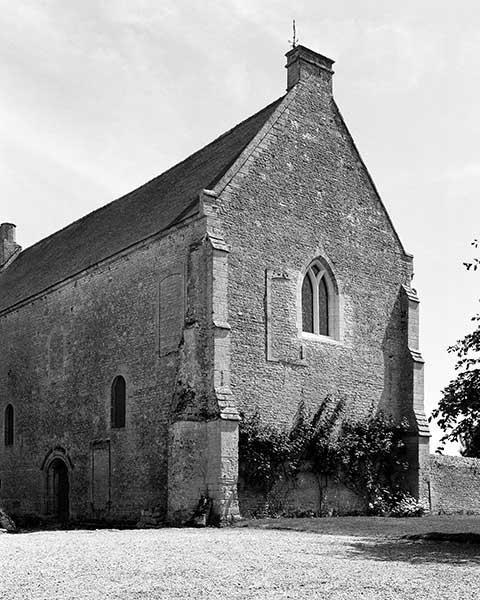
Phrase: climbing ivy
[367,455]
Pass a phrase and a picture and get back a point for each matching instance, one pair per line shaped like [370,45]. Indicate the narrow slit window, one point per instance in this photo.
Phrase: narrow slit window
[323,308]
[307,305]
[9,433]
[118,402]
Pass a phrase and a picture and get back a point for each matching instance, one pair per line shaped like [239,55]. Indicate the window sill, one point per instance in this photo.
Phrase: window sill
[317,338]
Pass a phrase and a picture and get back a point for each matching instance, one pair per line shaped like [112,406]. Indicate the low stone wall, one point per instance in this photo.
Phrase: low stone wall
[306,495]
[454,484]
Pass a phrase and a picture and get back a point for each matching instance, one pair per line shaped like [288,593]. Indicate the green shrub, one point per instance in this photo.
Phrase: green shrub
[408,506]
[264,452]
[371,460]
[367,456]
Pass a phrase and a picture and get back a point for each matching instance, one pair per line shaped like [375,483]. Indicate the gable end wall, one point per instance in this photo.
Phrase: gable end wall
[303,193]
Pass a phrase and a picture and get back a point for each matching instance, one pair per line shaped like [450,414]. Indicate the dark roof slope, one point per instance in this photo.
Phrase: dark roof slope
[153,207]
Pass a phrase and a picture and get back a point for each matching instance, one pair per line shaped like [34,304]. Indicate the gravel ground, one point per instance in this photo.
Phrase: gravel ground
[364,559]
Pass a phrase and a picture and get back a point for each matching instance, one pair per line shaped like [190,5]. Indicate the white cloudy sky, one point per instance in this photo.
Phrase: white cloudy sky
[99,96]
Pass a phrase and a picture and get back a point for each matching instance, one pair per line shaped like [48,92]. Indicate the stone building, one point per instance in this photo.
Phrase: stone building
[261,271]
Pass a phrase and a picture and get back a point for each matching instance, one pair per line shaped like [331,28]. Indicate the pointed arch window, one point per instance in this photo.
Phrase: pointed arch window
[318,301]
[9,424]
[118,405]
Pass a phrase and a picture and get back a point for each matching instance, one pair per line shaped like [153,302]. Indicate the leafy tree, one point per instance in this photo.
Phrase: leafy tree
[458,411]
[475,263]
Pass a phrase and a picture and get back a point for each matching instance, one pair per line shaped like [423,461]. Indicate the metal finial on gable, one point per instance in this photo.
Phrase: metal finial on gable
[294,41]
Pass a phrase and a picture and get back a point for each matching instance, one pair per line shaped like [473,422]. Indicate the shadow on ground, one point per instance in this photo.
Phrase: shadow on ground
[415,552]
[382,527]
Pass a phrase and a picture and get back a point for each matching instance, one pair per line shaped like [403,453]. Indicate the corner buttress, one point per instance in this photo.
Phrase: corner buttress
[418,441]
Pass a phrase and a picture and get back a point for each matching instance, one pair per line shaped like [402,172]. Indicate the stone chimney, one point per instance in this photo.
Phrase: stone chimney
[8,246]
[303,63]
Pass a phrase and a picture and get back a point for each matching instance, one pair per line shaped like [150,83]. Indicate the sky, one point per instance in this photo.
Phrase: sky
[98,97]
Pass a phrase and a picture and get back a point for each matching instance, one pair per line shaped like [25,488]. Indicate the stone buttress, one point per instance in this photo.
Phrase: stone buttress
[418,442]
[203,445]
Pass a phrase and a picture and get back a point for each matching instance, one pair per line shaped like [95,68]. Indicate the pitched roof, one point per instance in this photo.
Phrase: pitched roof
[153,207]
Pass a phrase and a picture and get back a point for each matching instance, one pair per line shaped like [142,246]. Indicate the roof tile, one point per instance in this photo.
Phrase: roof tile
[153,207]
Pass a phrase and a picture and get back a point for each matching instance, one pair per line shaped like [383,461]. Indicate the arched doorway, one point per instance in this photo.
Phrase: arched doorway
[58,489]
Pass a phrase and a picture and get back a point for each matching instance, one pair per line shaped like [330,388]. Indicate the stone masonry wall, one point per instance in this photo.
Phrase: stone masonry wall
[454,483]
[60,354]
[303,193]
[306,496]
[203,462]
